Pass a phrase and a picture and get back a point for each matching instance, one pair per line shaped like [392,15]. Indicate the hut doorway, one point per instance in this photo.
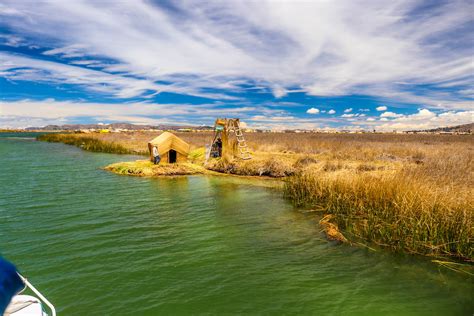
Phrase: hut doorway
[172,156]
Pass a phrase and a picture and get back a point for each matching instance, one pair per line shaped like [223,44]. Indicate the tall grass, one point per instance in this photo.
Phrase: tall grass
[364,147]
[86,143]
[274,167]
[391,210]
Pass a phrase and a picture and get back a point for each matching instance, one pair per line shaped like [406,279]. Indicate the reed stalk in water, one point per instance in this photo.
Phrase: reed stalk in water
[86,143]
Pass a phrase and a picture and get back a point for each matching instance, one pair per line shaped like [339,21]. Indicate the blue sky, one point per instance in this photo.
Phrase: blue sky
[401,64]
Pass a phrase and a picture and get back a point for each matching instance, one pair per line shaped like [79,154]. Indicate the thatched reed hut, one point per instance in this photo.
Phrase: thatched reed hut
[170,147]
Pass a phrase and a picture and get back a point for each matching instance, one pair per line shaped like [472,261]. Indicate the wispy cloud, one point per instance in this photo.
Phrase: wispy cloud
[348,115]
[266,59]
[71,51]
[323,48]
[25,113]
[390,114]
[16,67]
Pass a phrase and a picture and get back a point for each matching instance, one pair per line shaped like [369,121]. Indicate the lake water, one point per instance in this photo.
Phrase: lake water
[96,243]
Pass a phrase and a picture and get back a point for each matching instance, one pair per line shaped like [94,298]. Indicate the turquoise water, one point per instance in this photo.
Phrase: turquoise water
[100,244]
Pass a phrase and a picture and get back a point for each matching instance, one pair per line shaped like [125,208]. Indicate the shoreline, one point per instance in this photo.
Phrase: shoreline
[388,202]
[168,171]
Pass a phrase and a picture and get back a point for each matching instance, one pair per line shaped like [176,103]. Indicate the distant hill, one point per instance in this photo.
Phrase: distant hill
[122,126]
[465,128]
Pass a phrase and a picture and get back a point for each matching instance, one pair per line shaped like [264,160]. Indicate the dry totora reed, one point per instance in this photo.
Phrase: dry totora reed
[392,210]
[86,143]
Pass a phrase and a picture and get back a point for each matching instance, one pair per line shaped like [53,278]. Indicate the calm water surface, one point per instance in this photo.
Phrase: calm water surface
[100,244]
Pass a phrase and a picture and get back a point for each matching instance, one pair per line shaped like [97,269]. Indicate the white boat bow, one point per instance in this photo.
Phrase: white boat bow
[28,305]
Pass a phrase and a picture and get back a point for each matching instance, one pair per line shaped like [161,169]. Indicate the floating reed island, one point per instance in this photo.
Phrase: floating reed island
[410,193]
[145,168]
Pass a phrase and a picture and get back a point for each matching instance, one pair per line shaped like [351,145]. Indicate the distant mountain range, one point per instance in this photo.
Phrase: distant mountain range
[465,128]
[122,126]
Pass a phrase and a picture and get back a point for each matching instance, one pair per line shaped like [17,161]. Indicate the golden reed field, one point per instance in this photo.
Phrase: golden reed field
[411,193]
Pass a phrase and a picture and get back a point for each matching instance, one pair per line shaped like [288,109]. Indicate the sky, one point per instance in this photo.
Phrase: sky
[345,64]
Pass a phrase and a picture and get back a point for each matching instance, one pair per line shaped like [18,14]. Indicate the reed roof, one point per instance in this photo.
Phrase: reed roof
[167,141]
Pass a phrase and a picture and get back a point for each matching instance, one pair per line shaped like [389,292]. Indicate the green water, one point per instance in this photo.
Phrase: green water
[100,244]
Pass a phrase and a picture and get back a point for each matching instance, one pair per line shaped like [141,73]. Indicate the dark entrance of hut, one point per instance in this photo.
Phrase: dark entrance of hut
[172,156]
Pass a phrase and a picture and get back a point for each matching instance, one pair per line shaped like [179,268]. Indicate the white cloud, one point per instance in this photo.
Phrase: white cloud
[280,45]
[381,108]
[68,51]
[18,114]
[426,119]
[331,111]
[312,111]
[26,113]
[11,40]
[262,118]
[279,92]
[348,110]
[390,114]
[15,67]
